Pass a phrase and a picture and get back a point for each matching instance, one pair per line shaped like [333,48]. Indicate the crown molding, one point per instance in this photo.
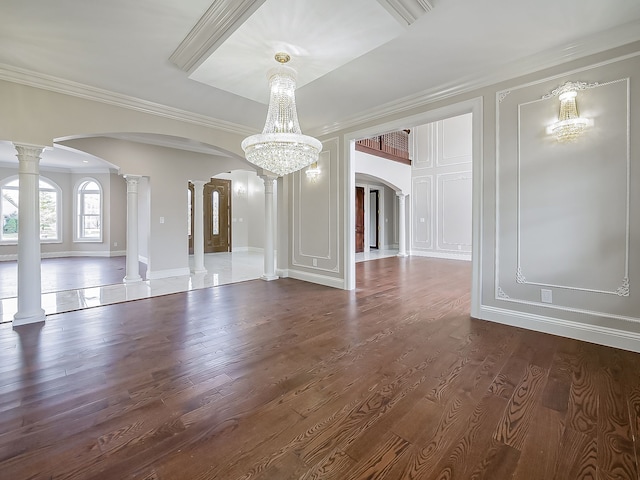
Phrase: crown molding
[406,11]
[599,43]
[218,23]
[67,87]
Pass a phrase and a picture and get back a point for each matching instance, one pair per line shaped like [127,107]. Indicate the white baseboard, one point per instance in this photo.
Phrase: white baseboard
[580,331]
[172,272]
[449,256]
[312,278]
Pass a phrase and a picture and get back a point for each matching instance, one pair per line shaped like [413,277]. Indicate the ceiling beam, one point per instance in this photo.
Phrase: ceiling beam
[221,19]
[406,11]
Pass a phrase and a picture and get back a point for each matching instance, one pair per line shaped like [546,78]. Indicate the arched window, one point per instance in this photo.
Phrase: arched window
[88,225]
[50,208]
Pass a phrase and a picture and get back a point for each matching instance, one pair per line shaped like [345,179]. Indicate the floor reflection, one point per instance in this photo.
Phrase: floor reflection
[222,268]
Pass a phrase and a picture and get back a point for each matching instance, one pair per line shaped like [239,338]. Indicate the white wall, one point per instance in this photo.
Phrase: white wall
[247,210]
[441,188]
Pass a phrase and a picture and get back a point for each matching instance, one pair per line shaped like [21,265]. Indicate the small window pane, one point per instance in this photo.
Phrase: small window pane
[48,215]
[215,199]
[91,226]
[10,213]
[189,212]
[92,203]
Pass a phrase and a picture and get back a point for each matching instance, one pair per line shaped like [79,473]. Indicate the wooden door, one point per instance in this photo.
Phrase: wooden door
[359,219]
[217,216]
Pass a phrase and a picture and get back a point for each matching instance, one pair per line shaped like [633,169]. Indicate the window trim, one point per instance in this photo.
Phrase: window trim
[76,214]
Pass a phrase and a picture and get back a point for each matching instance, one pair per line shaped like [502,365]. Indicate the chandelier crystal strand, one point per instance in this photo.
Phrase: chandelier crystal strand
[281,148]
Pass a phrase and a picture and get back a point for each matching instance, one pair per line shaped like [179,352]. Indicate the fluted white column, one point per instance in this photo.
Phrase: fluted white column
[198,227]
[132,266]
[29,274]
[402,242]
[269,255]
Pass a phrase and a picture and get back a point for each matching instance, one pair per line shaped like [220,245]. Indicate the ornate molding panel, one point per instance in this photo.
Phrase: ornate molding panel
[568,87]
[221,19]
[623,289]
[406,11]
[500,294]
[328,261]
[502,95]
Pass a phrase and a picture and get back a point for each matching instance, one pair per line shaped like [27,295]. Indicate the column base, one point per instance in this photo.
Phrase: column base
[268,278]
[26,319]
[132,279]
[199,271]
[402,255]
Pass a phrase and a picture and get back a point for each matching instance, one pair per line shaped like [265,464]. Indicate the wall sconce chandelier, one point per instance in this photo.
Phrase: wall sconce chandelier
[281,148]
[570,124]
[313,172]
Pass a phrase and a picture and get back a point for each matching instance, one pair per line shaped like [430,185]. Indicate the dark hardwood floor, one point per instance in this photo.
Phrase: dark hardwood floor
[291,380]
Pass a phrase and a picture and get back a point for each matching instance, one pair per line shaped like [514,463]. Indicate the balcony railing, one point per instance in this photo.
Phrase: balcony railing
[392,146]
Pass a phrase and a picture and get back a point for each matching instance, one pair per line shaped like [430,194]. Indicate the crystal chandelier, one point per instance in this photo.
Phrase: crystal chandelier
[569,125]
[281,148]
[313,172]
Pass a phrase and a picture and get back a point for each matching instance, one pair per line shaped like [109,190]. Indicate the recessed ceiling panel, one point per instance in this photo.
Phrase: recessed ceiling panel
[319,36]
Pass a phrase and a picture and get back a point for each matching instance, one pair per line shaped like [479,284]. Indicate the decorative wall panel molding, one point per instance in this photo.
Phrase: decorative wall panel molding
[454,211]
[597,212]
[422,193]
[425,151]
[454,141]
[316,215]
[565,228]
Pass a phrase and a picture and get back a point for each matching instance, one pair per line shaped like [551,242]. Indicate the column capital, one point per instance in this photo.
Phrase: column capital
[199,183]
[268,181]
[28,157]
[401,195]
[132,182]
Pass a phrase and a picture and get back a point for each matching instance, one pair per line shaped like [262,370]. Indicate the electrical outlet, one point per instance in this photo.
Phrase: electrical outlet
[546,295]
[315,262]
[115,244]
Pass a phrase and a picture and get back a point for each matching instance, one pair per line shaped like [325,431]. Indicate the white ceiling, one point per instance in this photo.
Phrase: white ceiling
[124,47]
[319,36]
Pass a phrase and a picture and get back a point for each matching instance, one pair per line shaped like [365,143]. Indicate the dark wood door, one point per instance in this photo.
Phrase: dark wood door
[359,219]
[217,215]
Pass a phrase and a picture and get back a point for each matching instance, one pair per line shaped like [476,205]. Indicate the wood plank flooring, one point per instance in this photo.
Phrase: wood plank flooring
[290,380]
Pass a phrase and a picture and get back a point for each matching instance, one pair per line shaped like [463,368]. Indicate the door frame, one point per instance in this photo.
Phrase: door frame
[473,106]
